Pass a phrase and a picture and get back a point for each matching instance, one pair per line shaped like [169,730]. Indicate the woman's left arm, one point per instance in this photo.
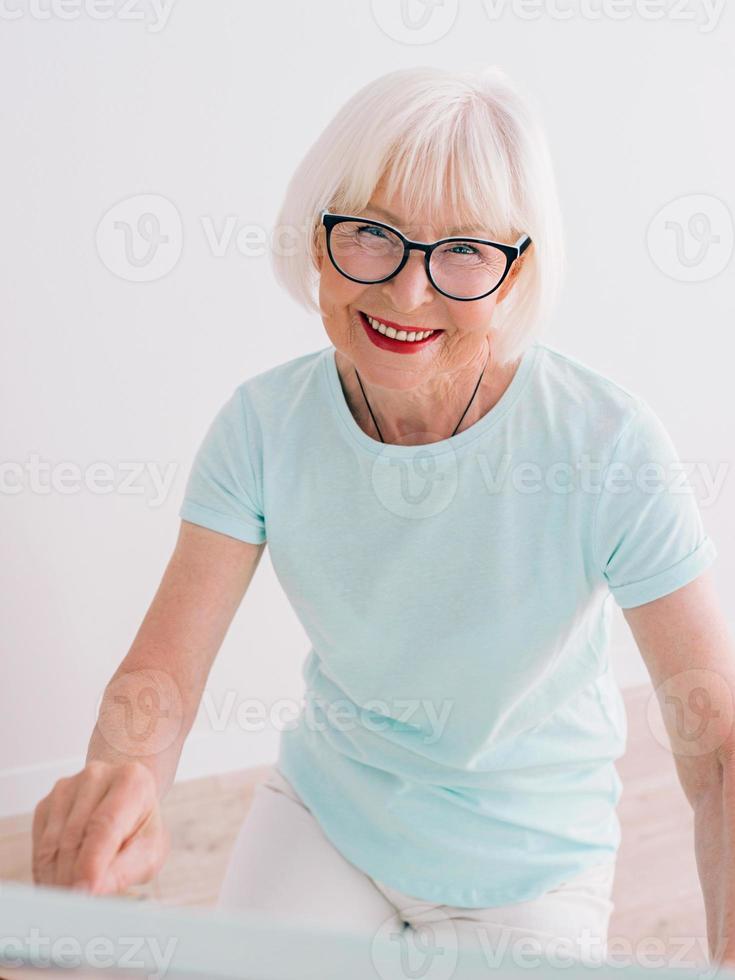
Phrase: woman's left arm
[689,652]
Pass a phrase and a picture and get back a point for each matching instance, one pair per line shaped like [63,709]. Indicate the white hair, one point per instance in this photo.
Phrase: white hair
[463,141]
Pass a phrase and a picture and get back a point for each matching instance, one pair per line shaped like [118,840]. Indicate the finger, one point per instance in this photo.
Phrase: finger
[121,812]
[137,862]
[40,819]
[90,792]
[59,804]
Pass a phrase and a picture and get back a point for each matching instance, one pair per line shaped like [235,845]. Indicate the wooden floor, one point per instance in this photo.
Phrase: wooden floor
[656,894]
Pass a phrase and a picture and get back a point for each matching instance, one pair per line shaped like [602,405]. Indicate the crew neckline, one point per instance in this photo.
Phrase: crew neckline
[451,443]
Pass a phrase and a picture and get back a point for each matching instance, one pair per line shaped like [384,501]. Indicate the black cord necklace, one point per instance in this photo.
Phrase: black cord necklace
[375,421]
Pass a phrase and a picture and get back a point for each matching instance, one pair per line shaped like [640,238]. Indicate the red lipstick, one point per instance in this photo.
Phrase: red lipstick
[390,343]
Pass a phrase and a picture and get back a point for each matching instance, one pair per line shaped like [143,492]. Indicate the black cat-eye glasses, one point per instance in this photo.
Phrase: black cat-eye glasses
[463,268]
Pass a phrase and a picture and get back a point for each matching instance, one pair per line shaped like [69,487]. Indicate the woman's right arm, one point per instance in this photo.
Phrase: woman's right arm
[101,829]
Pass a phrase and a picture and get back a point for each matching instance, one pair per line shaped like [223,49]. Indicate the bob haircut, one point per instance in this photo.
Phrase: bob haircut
[462,143]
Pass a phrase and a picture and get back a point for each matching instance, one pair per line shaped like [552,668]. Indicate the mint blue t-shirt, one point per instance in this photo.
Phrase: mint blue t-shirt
[460,721]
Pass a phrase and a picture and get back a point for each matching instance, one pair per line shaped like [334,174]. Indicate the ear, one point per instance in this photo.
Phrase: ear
[510,279]
[320,244]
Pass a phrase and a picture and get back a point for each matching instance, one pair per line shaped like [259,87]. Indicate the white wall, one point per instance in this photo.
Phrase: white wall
[212,108]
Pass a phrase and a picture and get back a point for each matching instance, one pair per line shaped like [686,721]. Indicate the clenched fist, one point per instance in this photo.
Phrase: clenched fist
[100,830]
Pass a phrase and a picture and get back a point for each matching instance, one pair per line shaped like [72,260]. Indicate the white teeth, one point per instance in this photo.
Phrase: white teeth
[409,336]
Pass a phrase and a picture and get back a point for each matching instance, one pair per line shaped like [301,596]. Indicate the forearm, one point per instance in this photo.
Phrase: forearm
[151,702]
[714,835]
[145,716]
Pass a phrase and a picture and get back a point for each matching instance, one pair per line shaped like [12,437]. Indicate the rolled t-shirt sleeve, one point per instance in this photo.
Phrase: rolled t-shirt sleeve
[224,488]
[648,534]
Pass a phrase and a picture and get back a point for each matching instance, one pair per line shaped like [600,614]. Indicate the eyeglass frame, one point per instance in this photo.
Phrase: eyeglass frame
[511,252]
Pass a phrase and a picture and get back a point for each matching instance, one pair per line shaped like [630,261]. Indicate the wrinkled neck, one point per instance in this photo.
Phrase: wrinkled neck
[429,412]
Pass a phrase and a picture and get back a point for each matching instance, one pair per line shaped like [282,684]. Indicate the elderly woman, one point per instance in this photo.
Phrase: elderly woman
[451,507]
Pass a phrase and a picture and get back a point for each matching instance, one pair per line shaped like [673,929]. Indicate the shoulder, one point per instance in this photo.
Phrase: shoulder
[288,377]
[578,382]
[288,383]
[285,374]
[581,398]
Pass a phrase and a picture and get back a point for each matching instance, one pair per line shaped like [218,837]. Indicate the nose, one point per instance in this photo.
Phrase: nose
[410,289]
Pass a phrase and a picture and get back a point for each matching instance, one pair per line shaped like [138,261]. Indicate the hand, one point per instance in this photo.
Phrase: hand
[100,830]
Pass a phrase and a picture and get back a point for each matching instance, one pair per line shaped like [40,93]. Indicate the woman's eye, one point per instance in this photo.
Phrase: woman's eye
[371,228]
[468,250]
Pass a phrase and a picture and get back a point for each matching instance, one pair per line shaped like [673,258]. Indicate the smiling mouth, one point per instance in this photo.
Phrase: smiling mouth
[396,331]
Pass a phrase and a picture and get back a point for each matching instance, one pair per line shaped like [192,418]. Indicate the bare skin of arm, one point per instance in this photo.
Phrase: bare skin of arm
[101,829]
[689,651]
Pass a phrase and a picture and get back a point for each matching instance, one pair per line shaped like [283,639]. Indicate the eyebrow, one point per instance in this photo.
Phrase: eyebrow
[392,219]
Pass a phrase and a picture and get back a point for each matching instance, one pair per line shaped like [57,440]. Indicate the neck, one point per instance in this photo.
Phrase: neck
[428,412]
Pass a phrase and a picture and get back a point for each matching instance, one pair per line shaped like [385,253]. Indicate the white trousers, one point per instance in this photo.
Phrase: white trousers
[284,865]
